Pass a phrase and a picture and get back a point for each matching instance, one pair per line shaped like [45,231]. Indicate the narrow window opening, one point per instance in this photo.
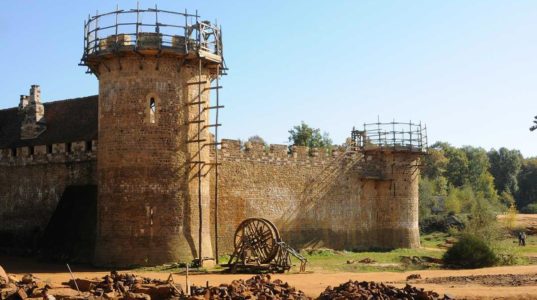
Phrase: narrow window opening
[14,152]
[49,149]
[88,146]
[68,147]
[31,150]
[152,110]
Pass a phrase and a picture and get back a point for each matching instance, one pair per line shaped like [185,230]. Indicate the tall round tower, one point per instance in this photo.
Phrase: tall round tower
[392,155]
[155,70]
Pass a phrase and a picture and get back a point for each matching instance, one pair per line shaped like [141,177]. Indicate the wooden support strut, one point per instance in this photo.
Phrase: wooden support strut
[197,82]
[212,125]
[196,103]
[213,107]
[196,121]
[196,141]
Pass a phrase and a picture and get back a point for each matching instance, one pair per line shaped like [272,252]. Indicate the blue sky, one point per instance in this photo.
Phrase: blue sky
[466,68]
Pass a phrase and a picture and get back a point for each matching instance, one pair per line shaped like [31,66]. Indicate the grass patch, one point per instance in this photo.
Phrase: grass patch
[434,239]
[384,260]
[327,260]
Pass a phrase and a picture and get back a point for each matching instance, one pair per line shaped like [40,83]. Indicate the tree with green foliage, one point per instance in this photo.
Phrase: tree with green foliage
[527,180]
[434,164]
[304,135]
[457,167]
[532,128]
[456,180]
[507,199]
[428,196]
[505,166]
[478,163]
[256,139]
[478,175]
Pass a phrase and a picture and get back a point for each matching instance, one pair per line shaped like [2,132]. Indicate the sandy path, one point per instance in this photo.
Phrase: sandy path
[312,283]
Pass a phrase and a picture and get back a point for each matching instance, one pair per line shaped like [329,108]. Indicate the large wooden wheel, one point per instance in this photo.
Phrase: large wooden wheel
[259,238]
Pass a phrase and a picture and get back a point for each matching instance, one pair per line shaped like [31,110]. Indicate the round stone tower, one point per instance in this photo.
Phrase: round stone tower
[392,155]
[153,155]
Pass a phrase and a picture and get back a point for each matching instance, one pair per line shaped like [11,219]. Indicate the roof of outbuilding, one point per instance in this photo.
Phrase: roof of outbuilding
[68,120]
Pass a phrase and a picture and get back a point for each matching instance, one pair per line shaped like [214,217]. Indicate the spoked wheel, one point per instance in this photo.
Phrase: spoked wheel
[258,236]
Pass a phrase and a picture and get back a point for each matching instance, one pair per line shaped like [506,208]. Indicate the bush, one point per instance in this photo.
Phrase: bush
[470,252]
[441,223]
[530,208]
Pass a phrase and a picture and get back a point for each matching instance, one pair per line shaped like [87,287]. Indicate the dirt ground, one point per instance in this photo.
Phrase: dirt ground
[522,220]
[518,282]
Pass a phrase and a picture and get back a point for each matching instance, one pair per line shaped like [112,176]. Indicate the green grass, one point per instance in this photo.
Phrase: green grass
[518,255]
[384,261]
[432,240]
[512,243]
[336,261]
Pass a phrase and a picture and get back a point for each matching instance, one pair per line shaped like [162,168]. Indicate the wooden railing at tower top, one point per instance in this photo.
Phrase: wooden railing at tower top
[397,136]
[135,29]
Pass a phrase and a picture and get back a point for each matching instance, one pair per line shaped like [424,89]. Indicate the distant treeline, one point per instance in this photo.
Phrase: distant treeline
[455,180]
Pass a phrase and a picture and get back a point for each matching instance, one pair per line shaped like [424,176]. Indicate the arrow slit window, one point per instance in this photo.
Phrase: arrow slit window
[152,110]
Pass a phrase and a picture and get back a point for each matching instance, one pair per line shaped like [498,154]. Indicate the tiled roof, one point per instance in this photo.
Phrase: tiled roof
[68,120]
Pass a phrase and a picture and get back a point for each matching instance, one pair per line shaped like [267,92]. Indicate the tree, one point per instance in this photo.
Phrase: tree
[478,163]
[478,175]
[434,164]
[427,198]
[505,166]
[256,139]
[532,128]
[304,135]
[527,179]
[457,167]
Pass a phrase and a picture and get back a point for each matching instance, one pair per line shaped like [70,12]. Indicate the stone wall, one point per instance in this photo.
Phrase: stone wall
[340,200]
[353,200]
[32,184]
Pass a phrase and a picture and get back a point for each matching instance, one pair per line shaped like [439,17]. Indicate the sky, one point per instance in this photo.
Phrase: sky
[467,69]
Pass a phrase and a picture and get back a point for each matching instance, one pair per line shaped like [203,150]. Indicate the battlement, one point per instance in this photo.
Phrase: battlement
[235,150]
[51,153]
[151,32]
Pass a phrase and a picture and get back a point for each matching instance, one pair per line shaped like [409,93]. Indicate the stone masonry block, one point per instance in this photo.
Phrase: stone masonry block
[279,151]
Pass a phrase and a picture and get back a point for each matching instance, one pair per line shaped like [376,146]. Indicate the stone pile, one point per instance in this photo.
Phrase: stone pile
[132,287]
[129,287]
[373,290]
[27,287]
[258,287]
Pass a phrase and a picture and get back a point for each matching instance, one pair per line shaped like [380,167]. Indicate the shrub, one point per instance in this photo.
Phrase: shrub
[470,252]
[441,223]
[530,208]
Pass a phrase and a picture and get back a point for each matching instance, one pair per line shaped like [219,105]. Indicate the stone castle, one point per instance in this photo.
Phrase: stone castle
[135,176]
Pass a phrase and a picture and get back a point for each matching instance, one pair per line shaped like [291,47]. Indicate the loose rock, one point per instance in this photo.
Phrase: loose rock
[373,290]
[257,287]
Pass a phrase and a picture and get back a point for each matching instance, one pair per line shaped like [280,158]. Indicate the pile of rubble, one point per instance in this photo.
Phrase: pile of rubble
[27,287]
[258,287]
[128,287]
[125,286]
[373,290]
[113,287]
[118,286]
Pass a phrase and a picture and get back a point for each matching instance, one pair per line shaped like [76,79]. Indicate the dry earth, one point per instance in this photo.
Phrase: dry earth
[519,282]
[529,221]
